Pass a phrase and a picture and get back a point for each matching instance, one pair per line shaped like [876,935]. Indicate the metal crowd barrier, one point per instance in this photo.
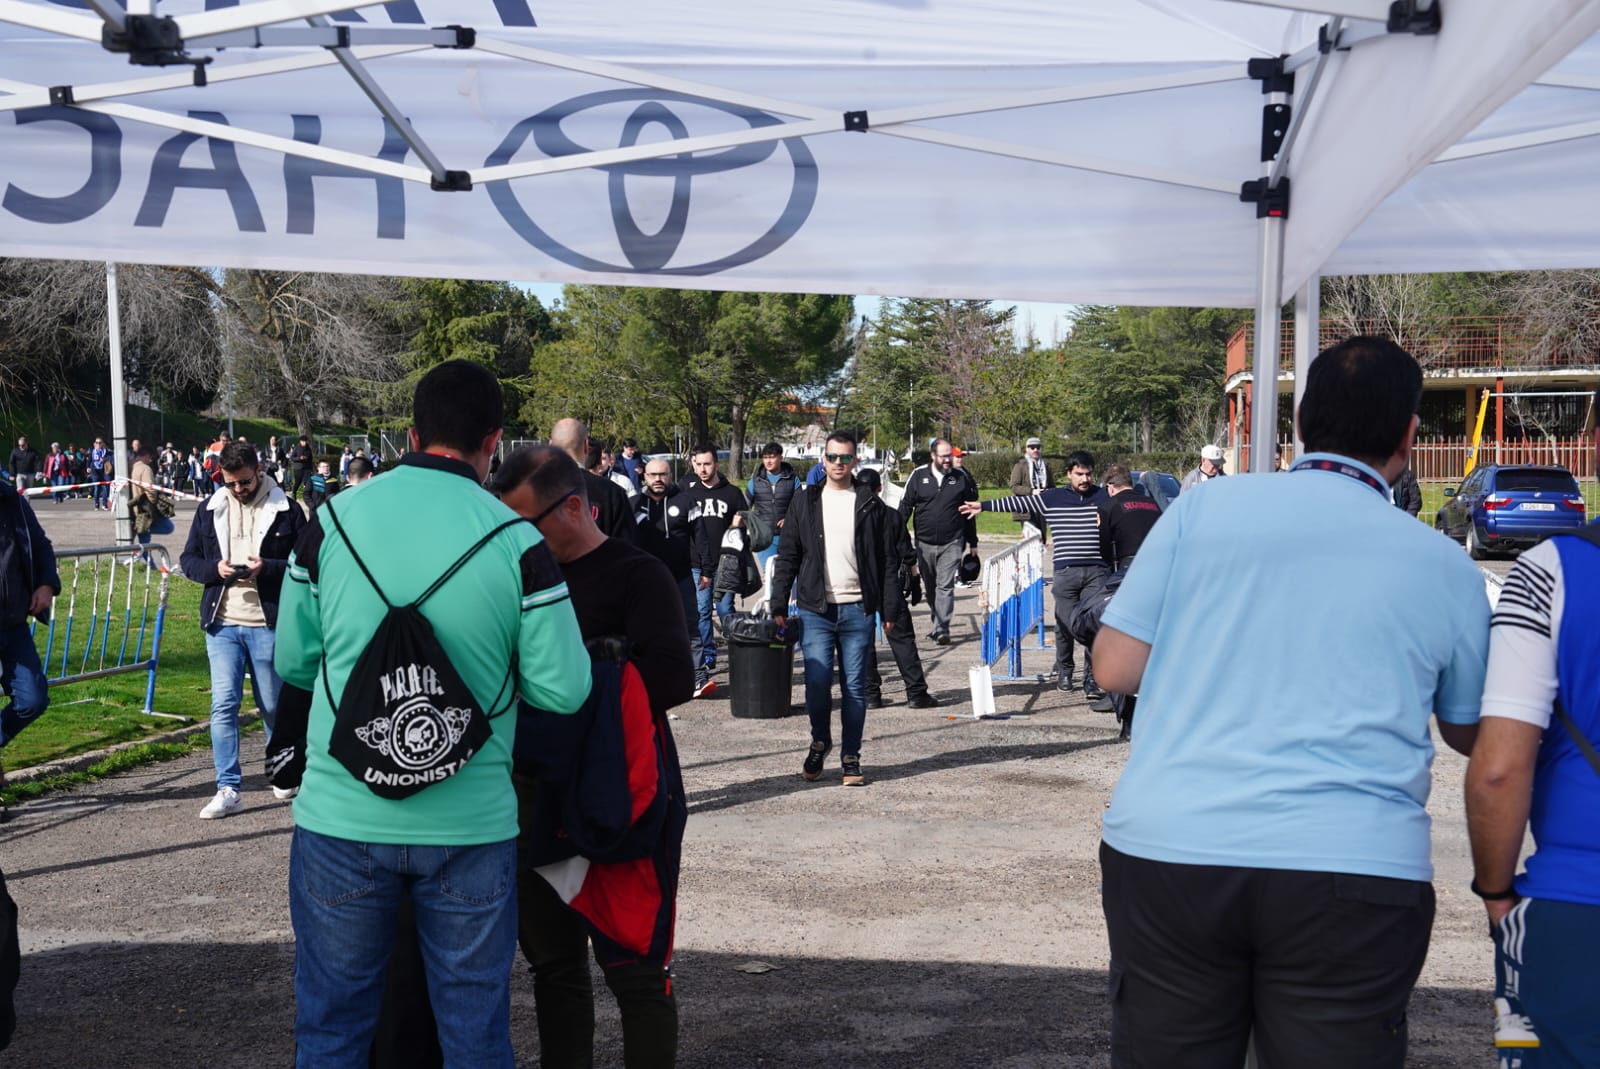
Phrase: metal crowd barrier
[103,608]
[1012,601]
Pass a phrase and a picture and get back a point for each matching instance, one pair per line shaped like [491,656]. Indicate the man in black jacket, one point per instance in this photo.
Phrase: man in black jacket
[24,464]
[714,506]
[841,559]
[238,548]
[932,504]
[1407,492]
[902,637]
[608,502]
[665,532]
[300,457]
[28,583]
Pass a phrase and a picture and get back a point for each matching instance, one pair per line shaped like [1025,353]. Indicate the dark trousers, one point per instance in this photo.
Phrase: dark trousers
[903,644]
[10,963]
[301,476]
[555,941]
[1067,586]
[1319,966]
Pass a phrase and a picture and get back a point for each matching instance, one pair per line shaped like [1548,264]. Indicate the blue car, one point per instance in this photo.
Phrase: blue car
[1160,485]
[1499,509]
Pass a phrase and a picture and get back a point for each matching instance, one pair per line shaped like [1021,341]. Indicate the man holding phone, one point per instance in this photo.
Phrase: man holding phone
[238,548]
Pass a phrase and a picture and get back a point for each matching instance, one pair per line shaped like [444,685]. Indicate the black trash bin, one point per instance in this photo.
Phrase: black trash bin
[760,665]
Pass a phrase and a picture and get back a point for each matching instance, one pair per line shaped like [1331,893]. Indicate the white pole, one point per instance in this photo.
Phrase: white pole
[1307,342]
[119,415]
[1269,317]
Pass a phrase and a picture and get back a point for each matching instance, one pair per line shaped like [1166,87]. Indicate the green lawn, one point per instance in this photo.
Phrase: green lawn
[102,712]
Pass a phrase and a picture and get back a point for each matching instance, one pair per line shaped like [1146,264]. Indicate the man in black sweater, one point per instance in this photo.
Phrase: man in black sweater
[1126,516]
[1073,513]
[932,504]
[618,590]
[714,506]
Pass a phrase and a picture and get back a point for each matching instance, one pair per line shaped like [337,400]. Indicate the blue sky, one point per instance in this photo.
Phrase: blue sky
[1050,321]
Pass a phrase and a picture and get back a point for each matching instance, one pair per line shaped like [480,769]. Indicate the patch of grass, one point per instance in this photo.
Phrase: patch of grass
[97,713]
[121,761]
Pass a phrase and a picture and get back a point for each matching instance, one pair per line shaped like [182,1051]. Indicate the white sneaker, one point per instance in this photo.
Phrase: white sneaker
[283,794]
[226,803]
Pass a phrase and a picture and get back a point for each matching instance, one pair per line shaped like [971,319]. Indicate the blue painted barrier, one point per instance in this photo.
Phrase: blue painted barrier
[1012,601]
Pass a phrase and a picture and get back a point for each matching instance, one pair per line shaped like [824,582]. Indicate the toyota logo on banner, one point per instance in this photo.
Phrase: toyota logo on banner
[767,165]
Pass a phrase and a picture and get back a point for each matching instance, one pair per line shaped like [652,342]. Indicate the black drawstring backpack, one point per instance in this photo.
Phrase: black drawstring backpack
[407,719]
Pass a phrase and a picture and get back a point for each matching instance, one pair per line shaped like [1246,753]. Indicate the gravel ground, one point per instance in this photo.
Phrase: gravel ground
[947,915]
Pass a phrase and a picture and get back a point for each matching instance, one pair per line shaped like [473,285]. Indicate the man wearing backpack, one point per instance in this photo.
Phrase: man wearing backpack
[237,549]
[403,804]
[618,590]
[1535,764]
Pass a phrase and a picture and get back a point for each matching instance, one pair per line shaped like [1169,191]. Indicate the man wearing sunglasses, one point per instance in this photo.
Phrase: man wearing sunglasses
[840,556]
[238,548]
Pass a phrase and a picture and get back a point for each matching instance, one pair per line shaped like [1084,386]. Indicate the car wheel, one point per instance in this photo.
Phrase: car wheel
[1474,547]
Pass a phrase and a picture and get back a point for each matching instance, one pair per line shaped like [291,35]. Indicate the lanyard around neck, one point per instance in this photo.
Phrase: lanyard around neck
[1338,468]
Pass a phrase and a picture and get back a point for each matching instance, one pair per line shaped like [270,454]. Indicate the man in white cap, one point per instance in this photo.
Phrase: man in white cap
[1211,462]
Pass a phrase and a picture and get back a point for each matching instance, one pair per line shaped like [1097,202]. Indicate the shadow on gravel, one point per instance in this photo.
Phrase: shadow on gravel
[159,851]
[155,1006]
[760,790]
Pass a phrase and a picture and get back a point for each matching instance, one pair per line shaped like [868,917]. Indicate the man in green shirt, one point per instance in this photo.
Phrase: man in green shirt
[506,625]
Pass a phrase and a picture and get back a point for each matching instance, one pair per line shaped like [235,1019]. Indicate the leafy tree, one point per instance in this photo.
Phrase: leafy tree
[1157,369]
[921,365]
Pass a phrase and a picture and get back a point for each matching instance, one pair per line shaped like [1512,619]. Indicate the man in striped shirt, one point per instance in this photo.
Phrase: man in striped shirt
[1072,512]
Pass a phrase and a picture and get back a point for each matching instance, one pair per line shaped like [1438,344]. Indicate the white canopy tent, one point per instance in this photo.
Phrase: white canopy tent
[1067,150]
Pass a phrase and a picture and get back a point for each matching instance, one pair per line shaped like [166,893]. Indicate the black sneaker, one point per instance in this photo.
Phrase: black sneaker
[924,701]
[851,764]
[1103,704]
[875,701]
[940,638]
[812,769]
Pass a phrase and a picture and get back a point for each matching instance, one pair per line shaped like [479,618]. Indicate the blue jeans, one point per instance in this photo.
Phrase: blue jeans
[708,637]
[102,490]
[851,629]
[230,648]
[343,900]
[60,480]
[767,554]
[22,678]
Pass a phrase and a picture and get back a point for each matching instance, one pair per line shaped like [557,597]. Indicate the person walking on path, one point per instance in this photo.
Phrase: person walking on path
[842,562]
[902,637]
[1211,464]
[57,470]
[1535,767]
[771,489]
[1265,859]
[714,506]
[238,550]
[931,505]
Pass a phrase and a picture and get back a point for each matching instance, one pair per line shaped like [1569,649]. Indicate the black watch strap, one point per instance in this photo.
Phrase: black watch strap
[1492,896]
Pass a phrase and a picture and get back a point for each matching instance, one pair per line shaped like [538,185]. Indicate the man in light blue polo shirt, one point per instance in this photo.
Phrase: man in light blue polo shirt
[1265,856]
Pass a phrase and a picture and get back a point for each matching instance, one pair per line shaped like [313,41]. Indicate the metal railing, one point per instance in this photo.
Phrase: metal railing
[1011,598]
[104,605]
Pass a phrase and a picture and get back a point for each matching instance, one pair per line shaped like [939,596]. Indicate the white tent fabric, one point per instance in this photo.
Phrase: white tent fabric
[1071,150]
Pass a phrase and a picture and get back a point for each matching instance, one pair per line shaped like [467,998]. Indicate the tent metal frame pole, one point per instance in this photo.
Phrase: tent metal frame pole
[51,19]
[119,413]
[25,95]
[1512,142]
[113,13]
[1307,343]
[380,100]
[1269,331]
